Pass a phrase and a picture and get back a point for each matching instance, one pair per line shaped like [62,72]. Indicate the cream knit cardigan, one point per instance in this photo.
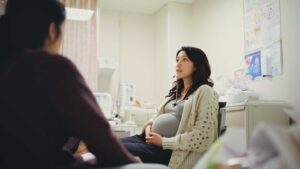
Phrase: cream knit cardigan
[197,129]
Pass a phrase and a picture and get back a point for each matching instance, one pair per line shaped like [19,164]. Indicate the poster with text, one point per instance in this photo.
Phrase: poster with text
[261,23]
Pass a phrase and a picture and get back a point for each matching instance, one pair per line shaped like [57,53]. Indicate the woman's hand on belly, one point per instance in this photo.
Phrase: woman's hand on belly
[148,131]
[155,139]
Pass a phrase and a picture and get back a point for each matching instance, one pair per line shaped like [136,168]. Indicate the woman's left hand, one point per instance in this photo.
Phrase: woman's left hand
[155,139]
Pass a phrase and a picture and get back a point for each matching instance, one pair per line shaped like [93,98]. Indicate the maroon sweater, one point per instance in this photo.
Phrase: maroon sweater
[43,102]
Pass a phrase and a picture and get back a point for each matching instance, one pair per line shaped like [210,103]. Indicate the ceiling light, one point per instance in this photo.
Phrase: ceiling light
[77,14]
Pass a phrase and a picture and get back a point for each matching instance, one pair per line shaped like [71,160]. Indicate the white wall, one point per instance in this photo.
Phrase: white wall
[218,28]
[173,25]
[137,53]
[215,26]
[129,38]
[286,86]
[144,47]
[109,46]
[161,85]
[179,32]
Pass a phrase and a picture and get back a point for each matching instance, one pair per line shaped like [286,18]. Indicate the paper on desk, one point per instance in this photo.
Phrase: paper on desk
[272,146]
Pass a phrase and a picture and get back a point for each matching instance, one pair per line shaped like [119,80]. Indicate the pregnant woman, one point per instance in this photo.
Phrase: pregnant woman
[186,124]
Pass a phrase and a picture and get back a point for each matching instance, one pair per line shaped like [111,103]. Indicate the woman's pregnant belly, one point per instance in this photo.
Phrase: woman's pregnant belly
[165,125]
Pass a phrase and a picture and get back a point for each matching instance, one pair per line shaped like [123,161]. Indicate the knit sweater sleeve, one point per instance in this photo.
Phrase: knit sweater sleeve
[203,131]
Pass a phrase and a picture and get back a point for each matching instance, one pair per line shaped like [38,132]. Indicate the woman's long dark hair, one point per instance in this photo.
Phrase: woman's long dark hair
[25,25]
[200,76]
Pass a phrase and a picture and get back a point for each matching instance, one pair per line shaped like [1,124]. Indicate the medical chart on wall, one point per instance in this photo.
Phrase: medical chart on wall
[262,37]
[272,60]
[253,62]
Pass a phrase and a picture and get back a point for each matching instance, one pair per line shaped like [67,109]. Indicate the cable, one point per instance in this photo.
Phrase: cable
[176,96]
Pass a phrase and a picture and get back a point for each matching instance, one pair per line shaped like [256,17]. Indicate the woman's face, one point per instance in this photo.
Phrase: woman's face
[184,66]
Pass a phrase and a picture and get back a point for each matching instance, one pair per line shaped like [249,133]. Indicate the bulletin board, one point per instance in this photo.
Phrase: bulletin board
[262,30]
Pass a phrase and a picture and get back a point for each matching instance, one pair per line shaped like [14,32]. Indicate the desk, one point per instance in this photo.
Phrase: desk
[248,114]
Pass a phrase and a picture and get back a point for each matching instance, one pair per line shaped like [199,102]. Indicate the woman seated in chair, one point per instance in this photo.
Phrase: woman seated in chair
[186,124]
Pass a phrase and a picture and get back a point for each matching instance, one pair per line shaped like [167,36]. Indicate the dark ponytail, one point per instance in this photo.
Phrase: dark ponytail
[25,25]
[4,38]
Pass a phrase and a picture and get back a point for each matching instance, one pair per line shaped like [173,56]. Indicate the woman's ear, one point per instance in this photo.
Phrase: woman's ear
[52,32]
[53,41]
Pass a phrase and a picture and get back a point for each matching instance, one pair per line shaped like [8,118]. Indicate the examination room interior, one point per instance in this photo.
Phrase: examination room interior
[128,55]
[142,38]
[126,51]
[138,41]
[143,41]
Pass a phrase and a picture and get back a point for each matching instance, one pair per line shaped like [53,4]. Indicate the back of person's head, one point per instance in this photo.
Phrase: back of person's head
[25,25]
[200,76]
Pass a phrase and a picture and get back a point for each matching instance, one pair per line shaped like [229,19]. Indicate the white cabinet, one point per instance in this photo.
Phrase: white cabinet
[124,130]
[133,121]
[248,114]
[107,66]
[138,115]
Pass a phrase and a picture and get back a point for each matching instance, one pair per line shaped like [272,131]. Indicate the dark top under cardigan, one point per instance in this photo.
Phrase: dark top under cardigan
[44,101]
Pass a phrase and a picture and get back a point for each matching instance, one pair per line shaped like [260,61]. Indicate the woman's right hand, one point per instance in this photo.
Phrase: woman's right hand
[138,159]
[148,131]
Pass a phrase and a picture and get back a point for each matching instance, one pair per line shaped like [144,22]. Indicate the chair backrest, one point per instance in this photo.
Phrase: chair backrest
[221,118]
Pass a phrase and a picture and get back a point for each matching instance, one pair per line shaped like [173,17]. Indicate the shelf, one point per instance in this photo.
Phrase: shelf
[105,71]
[107,66]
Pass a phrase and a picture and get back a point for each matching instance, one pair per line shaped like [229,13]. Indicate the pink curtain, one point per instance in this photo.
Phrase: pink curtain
[80,41]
